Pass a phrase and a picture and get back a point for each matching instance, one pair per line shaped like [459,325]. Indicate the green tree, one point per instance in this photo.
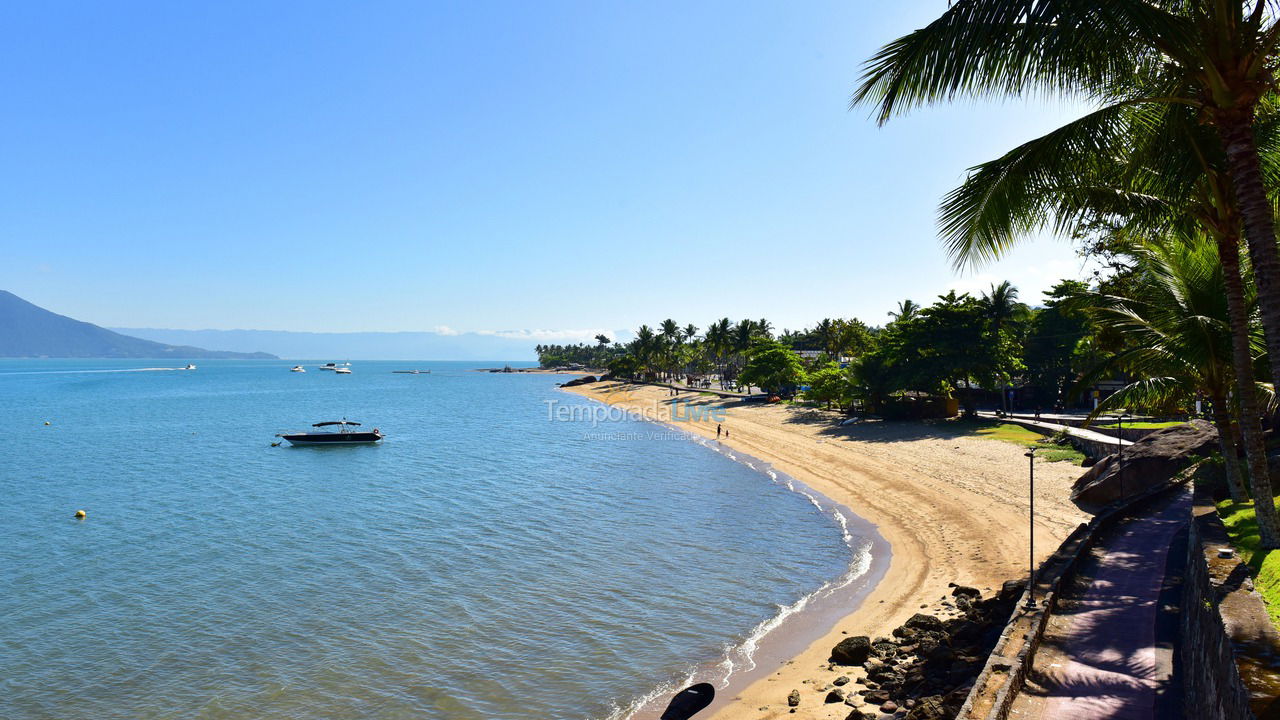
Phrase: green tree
[1050,349]
[772,367]
[829,384]
[1156,169]
[1216,58]
[1178,336]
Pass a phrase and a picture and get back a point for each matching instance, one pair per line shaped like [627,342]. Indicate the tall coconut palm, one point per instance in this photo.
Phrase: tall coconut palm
[669,332]
[644,347]
[1156,167]
[1178,340]
[1216,57]
[719,342]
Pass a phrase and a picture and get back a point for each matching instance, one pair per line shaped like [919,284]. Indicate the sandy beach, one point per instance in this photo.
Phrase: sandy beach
[952,507]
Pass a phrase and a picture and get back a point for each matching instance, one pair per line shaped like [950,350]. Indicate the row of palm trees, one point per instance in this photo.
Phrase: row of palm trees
[670,349]
[1180,157]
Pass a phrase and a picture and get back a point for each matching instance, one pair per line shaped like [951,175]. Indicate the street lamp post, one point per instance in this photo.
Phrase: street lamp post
[1031,530]
[1120,450]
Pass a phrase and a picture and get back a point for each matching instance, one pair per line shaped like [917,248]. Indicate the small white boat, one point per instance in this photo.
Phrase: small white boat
[298,368]
[329,366]
[343,371]
[189,367]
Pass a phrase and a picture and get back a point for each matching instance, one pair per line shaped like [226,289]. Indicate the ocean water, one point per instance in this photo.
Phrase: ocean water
[484,561]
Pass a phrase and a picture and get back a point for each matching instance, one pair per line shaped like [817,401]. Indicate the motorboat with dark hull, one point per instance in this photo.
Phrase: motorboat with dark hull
[344,436]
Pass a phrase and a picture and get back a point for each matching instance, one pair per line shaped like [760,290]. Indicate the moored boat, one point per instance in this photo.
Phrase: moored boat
[344,436]
[343,371]
[298,368]
[329,366]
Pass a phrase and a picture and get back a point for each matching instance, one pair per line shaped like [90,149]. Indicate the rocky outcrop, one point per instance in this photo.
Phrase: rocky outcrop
[1152,461]
[930,665]
[584,380]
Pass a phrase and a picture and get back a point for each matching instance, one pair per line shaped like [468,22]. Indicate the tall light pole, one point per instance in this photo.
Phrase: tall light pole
[1120,450]
[1031,530]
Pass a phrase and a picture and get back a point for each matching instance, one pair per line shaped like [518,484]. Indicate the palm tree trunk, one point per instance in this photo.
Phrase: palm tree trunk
[1259,225]
[1226,438]
[1242,363]
[1245,170]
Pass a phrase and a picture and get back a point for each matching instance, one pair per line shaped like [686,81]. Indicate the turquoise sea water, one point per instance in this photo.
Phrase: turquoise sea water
[482,562]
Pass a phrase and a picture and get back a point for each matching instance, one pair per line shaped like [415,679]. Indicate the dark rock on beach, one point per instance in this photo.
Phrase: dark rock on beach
[928,669]
[584,380]
[851,650]
[793,700]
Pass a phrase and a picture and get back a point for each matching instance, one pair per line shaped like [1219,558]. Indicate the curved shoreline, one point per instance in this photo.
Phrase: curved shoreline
[794,627]
[951,506]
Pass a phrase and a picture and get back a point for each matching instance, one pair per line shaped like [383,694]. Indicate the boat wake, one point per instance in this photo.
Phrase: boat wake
[89,372]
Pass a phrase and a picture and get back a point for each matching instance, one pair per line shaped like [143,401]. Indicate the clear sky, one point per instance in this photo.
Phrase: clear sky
[339,166]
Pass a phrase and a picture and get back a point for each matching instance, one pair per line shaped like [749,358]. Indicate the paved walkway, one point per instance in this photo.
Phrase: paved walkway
[1108,650]
[1051,427]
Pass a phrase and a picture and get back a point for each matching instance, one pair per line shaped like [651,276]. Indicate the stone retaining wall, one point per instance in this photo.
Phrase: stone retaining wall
[1229,646]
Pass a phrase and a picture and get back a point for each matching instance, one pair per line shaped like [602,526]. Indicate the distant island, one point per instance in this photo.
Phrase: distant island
[30,331]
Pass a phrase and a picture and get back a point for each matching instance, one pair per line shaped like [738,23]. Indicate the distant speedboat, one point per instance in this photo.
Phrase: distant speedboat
[343,371]
[189,367]
[298,368]
[344,436]
[329,366]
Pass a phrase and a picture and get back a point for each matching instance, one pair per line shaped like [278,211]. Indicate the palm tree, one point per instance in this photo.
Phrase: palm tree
[670,333]
[718,344]
[1178,340]
[826,331]
[907,310]
[1001,306]
[1159,169]
[644,347]
[1214,57]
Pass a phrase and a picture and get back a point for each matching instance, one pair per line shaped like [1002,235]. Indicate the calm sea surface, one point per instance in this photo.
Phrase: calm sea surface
[482,562]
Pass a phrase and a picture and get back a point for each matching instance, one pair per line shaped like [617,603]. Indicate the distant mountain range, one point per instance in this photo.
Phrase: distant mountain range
[355,346]
[27,330]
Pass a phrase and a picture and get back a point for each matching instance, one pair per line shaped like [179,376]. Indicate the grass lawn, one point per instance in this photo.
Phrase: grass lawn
[1242,525]
[1144,425]
[1026,438]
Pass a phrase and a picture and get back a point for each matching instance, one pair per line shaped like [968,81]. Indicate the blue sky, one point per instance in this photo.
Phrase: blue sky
[561,166]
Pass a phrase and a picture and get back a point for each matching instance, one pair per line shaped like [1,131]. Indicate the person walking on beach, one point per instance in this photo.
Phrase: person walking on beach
[717,431]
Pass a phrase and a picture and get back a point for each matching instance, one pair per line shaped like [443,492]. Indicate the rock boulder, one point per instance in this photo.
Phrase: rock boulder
[1149,462]
[851,650]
